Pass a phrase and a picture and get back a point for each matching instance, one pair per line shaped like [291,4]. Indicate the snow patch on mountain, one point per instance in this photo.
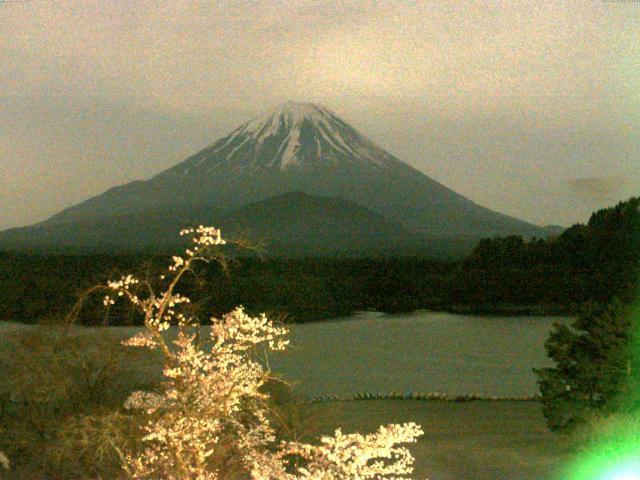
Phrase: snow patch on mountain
[293,144]
[290,115]
[292,135]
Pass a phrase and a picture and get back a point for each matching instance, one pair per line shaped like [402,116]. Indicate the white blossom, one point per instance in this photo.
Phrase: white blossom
[212,408]
[141,339]
[359,456]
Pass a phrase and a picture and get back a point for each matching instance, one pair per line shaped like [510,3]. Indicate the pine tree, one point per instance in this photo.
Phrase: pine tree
[596,366]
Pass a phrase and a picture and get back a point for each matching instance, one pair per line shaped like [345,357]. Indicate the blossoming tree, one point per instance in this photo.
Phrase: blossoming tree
[211,419]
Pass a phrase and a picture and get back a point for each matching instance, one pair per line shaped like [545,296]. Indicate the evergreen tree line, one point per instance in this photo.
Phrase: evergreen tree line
[593,262]
[597,357]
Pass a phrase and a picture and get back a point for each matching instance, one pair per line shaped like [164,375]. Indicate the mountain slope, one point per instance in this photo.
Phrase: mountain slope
[297,223]
[152,229]
[291,224]
[305,148]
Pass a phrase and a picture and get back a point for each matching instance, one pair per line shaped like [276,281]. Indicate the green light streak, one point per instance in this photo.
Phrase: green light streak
[617,461]
[615,454]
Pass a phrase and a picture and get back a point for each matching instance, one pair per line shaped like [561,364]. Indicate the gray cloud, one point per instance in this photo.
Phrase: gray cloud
[600,189]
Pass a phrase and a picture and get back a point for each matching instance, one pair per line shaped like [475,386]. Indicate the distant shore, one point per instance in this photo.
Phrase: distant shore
[494,310]
[512,310]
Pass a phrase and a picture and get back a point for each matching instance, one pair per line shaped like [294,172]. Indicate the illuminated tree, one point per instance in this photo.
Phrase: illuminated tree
[211,419]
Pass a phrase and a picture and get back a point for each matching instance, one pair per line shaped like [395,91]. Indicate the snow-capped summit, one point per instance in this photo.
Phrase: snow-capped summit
[292,135]
[292,113]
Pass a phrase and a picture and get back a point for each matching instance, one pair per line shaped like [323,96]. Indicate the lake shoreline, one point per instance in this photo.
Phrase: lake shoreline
[480,310]
[508,310]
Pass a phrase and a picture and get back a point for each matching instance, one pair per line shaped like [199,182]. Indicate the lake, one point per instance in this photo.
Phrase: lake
[420,352]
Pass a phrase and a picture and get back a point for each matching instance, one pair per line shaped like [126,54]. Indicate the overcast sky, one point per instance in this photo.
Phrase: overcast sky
[528,108]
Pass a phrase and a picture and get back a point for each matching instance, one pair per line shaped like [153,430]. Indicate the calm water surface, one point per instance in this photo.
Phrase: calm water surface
[420,352]
[417,352]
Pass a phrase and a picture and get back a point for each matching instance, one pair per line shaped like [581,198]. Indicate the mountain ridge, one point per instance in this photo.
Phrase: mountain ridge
[292,224]
[300,147]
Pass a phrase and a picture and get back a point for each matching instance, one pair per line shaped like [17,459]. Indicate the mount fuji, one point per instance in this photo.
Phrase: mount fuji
[297,147]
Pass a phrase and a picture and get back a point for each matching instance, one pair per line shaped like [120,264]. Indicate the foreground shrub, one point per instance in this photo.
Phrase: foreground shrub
[90,446]
[596,371]
[58,386]
[211,417]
